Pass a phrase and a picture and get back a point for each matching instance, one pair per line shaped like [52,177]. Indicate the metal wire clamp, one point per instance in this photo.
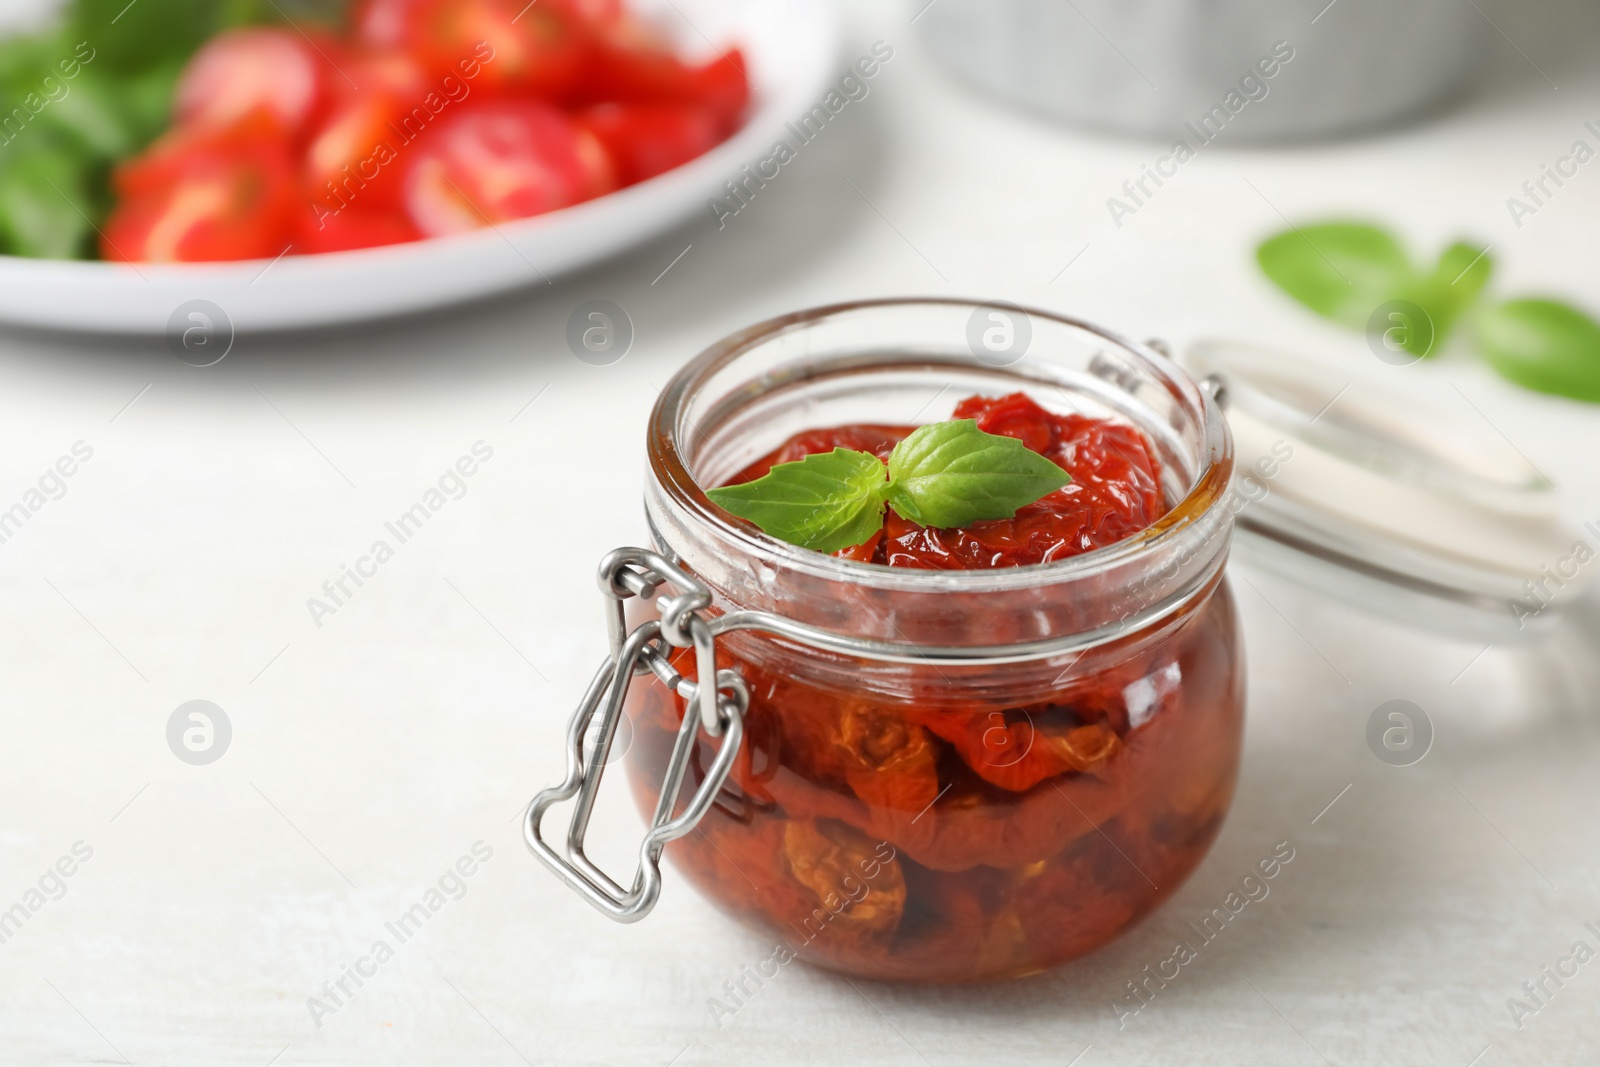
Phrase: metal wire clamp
[717,709]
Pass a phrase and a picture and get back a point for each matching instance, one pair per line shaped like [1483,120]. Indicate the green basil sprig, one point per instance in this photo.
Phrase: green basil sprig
[1347,271]
[945,474]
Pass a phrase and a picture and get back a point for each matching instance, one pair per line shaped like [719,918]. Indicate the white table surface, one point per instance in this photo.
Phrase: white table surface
[371,753]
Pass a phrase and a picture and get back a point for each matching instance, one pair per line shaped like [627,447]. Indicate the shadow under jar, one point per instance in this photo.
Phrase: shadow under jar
[985,772]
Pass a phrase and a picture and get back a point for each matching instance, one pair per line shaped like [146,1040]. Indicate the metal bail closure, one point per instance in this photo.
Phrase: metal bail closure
[718,710]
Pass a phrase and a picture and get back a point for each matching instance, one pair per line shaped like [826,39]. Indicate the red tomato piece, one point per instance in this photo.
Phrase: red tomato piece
[357,226]
[381,25]
[723,85]
[353,156]
[861,437]
[591,12]
[206,194]
[510,46]
[282,72]
[354,152]
[628,61]
[390,72]
[1017,752]
[501,160]
[644,140]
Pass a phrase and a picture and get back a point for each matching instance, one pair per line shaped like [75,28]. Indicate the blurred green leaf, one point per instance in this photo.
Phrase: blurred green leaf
[252,12]
[1543,345]
[1358,274]
[1466,268]
[22,62]
[1340,270]
[44,201]
[146,101]
[128,38]
[1445,294]
[92,116]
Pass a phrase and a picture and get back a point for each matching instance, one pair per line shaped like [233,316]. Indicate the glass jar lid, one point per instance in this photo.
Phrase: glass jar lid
[1366,492]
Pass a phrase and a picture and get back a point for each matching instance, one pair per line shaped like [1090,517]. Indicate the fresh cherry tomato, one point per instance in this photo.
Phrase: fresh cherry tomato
[381,25]
[588,12]
[506,46]
[206,194]
[644,140]
[282,72]
[630,62]
[353,156]
[387,23]
[723,86]
[500,160]
[356,226]
[354,153]
[389,71]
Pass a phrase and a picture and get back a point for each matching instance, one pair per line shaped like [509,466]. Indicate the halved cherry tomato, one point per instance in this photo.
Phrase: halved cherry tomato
[381,25]
[387,23]
[501,160]
[628,61]
[354,152]
[391,72]
[354,155]
[723,86]
[644,140]
[283,72]
[589,12]
[356,226]
[507,46]
[206,194]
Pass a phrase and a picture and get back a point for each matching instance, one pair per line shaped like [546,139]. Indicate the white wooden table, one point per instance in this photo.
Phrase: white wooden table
[372,753]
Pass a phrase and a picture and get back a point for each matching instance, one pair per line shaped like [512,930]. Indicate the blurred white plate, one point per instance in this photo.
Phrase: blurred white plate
[792,48]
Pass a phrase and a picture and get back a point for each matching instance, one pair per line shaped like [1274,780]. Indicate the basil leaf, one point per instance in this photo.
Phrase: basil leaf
[1340,270]
[43,198]
[826,502]
[1463,271]
[91,117]
[1543,345]
[949,474]
[147,101]
[128,38]
[1460,275]
[24,61]
[299,12]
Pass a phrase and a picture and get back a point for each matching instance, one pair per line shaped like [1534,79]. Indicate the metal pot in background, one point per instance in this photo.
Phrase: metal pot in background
[1263,70]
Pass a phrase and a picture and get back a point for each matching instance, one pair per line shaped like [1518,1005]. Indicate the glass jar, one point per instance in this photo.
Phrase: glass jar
[935,775]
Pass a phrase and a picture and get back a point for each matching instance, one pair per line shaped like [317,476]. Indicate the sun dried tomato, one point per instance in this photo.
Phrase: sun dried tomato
[1019,748]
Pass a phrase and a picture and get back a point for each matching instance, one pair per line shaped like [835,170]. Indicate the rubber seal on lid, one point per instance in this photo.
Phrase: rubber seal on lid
[1339,476]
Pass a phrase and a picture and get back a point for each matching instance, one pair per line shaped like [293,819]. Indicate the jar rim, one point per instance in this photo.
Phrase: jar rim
[670,466]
